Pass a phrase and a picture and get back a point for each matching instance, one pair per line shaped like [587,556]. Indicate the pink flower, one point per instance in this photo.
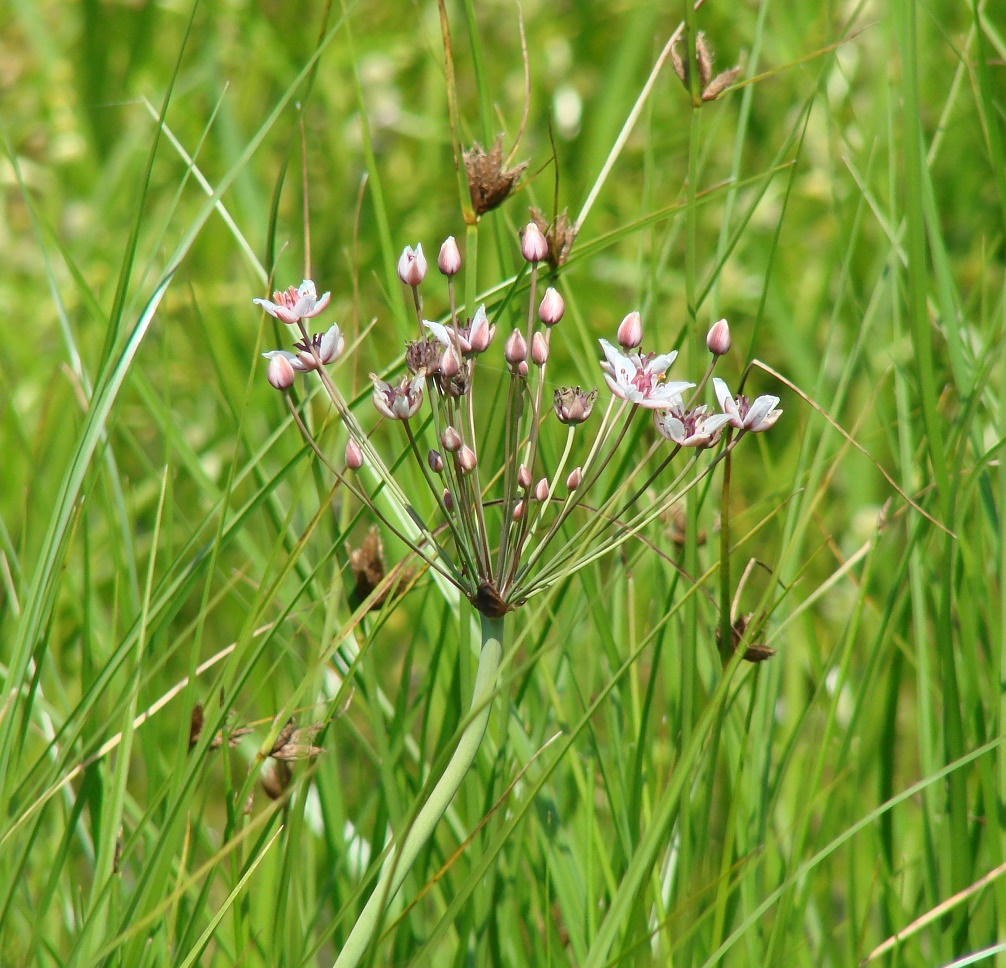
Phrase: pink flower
[473,338]
[412,265]
[295,304]
[639,378]
[280,372]
[689,428]
[328,346]
[398,402]
[533,246]
[572,405]
[755,417]
[449,260]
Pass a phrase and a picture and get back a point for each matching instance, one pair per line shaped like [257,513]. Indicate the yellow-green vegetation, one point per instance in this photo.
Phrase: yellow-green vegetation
[223,694]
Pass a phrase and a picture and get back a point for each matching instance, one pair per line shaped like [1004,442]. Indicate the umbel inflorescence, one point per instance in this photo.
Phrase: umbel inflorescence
[503,527]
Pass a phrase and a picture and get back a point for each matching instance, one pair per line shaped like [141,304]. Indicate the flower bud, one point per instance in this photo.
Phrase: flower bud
[449,260]
[541,490]
[412,265]
[280,372]
[354,455]
[539,349]
[718,338]
[522,368]
[630,331]
[448,500]
[466,459]
[533,246]
[451,440]
[480,333]
[518,510]
[523,476]
[435,461]
[551,308]
[515,350]
[575,478]
[450,365]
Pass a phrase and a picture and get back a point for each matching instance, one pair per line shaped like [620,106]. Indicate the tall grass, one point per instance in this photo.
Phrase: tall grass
[167,542]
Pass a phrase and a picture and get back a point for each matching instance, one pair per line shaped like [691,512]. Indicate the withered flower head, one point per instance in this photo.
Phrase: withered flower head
[369,567]
[276,778]
[710,87]
[295,743]
[572,405]
[196,730]
[756,652]
[559,234]
[489,183]
[423,354]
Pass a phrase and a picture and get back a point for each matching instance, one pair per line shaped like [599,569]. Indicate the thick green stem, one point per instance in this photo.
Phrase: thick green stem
[403,855]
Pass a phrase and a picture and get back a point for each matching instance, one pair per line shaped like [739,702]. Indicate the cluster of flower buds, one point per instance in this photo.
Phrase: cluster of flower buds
[511,524]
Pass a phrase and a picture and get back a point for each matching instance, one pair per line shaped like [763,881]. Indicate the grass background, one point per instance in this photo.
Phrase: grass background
[843,207]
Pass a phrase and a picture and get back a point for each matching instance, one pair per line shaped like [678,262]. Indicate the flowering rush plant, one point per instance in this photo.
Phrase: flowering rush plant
[503,528]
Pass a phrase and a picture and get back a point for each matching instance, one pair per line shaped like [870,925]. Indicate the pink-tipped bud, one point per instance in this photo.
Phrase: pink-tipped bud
[518,510]
[412,265]
[630,331]
[449,260]
[522,368]
[523,476]
[515,350]
[551,308]
[466,459]
[541,490]
[451,440]
[448,500]
[480,333]
[575,479]
[450,365]
[354,455]
[539,349]
[718,338]
[280,372]
[435,461]
[533,246]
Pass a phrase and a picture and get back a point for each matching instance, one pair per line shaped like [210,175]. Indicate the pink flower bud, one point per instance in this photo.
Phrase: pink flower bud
[515,350]
[449,260]
[522,368]
[541,490]
[480,333]
[451,440]
[575,479]
[448,500]
[412,266]
[551,307]
[450,366]
[354,455]
[466,459]
[518,511]
[539,349]
[630,331]
[435,461]
[533,246]
[523,476]
[718,338]
[280,372]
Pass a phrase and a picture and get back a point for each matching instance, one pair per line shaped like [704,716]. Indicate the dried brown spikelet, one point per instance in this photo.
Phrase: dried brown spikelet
[196,730]
[369,568]
[560,234]
[710,87]
[489,182]
[276,778]
[757,652]
[295,743]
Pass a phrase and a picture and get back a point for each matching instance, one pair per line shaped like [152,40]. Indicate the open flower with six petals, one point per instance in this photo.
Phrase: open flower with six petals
[639,378]
[755,416]
[295,304]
